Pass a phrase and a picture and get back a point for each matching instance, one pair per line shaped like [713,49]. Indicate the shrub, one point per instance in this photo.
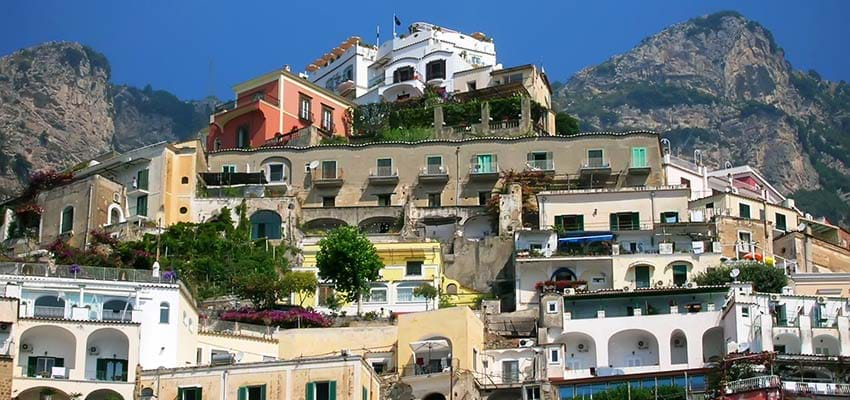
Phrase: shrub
[284,319]
[764,278]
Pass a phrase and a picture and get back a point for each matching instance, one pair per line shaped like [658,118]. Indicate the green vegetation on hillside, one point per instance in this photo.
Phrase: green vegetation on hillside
[641,95]
[186,119]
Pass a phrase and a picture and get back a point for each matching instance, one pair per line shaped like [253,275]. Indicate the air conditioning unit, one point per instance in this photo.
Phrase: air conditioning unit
[5,328]
[821,300]
[678,342]
[774,297]
[93,351]
[691,285]
[26,348]
[582,348]
[307,168]
[569,291]
[659,284]
[627,288]
[526,343]
[642,345]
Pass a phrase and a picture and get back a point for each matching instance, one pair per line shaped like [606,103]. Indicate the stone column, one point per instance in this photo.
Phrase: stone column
[525,121]
[438,121]
[805,323]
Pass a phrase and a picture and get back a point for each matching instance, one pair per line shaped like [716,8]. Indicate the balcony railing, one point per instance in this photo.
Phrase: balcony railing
[48,312]
[83,272]
[506,124]
[433,170]
[754,383]
[595,163]
[824,388]
[484,168]
[383,172]
[541,165]
[113,315]
[230,105]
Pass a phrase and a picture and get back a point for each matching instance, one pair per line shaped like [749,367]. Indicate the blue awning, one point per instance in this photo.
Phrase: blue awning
[586,238]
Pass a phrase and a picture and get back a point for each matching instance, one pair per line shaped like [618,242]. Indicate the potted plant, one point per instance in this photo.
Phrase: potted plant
[74,269]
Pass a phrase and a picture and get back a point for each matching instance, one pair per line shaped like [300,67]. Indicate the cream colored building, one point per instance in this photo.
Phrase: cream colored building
[313,378]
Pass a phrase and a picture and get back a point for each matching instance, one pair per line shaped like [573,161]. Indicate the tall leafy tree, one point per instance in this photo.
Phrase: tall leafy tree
[349,261]
[301,283]
[763,277]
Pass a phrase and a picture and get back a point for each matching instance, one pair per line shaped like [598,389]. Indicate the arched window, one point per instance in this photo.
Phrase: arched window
[147,394]
[265,224]
[451,288]
[184,180]
[115,214]
[164,311]
[66,223]
[183,210]
[117,310]
[49,306]
[563,274]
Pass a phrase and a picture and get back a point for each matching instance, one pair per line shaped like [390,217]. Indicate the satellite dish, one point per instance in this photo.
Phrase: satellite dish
[801,227]
[734,273]
[314,164]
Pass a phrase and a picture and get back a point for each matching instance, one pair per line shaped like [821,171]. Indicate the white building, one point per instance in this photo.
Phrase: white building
[600,336]
[426,55]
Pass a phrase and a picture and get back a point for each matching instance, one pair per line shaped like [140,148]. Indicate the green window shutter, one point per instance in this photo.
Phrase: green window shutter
[635,221]
[559,220]
[365,394]
[243,393]
[32,364]
[142,179]
[310,391]
[263,392]
[613,220]
[580,222]
[332,390]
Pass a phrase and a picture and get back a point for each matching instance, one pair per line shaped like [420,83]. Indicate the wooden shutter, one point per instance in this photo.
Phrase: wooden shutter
[613,220]
[580,221]
[635,221]
[32,364]
[243,393]
[559,220]
[332,390]
[310,391]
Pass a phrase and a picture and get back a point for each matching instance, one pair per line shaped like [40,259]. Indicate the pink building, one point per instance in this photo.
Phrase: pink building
[274,106]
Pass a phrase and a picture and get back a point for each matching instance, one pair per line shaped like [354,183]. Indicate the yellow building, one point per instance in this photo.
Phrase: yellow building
[424,349]
[407,265]
[330,377]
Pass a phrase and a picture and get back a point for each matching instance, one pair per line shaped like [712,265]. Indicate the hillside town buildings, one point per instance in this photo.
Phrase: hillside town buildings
[564,265]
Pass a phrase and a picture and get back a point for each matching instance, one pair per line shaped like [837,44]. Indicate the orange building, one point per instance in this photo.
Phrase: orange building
[274,106]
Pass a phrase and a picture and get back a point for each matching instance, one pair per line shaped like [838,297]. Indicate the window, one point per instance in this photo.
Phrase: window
[142,206]
[510,371]
[217,144]
[384,200]
[377,294]
[680,274]
[164,311]
[554,356]
[384,167]
[43,366]
[183,210]
[642,276]
[413,268]
[111,369]
[743,210]
[242,139]
[142,179]
[434,165]
[257,392]
[484,164]
[551,307]
[570,223]
[484,197]
[471,85]
[781,222]
[67,222]
[532,393]
[628,221]
[365,395]
[326,293]
[404,292]
[199,355]
[184,180]
[540,161]
[435,70]
[685,182]
[321,390]
[327,118]
[228,169]
[779,348]
[276,173]
[745,312]
[709,205]
[670,217]
[403,74]
[328,201]
[745,242]
[329,169]
[596,158]
[434,199]
[190,393]
[304,108]
[639,157]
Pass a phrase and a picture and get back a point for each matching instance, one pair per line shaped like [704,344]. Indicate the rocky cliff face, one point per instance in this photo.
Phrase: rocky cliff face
[721,84]
[57,108]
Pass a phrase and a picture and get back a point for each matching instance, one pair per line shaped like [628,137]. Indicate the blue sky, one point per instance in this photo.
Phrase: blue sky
[170,44]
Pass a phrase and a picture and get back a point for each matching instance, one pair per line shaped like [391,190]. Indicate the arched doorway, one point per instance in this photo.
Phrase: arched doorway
[36,393]
[580,351]
[379,225]
[826,345]
[713,345]
[434,396]
[478,227]
[787,343]
[432,355]
[678,347]
[322,225]
[49,306]
[108,354]
[104,394]
[47,351]
[265,224]
[632,348]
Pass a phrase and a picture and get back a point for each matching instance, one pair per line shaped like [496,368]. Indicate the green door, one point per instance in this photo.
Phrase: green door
[142,205]
[642,276]
[485,163]
[142,179]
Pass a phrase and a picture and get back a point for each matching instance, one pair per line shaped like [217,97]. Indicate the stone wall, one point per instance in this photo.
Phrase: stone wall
[6,364]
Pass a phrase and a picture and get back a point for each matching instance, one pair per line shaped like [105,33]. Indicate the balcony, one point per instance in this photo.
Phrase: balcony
[433,174]
[327,178]
[546,165]
[48,312]
[35,270]
[484,171]
[639,168]
[503,125]
[817,388]
[383,176]
[221,108]
[410,88]
[754,383]
[595,166]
